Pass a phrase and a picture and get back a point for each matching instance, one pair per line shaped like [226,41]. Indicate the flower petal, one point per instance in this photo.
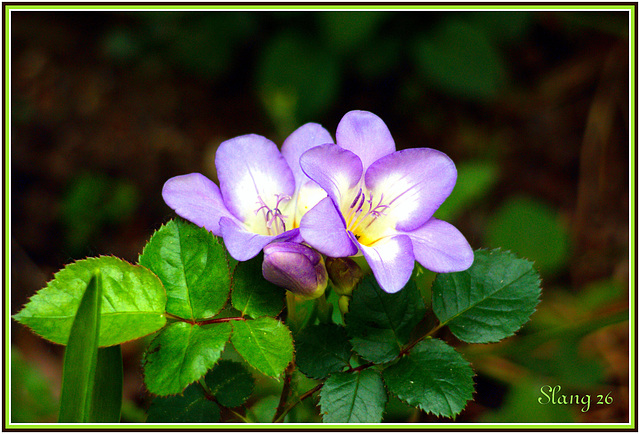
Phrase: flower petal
[440,247]
[413,182]
[323,228]
[243,244]
[309,194]
[301,140]
[391,260]
[251,169]
[366,135]
[197,199]
[336,170]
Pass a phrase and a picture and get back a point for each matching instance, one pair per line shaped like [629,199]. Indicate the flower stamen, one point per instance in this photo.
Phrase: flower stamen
[273,217]
[358,219]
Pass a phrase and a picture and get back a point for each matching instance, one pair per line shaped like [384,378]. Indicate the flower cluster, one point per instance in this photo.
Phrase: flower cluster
[355,197]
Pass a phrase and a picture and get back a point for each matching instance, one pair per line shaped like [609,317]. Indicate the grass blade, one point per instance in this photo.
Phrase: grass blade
[106,402]
[81,356]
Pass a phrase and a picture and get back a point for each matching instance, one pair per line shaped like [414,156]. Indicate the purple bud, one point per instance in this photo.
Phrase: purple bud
[345,274]
[295,267]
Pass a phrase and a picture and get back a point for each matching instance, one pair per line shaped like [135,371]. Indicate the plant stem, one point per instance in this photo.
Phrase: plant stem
[204,321]
[286,391]
[415,342]
[360,368]
[207,391]
[239,416]
[218,320]
[304,396]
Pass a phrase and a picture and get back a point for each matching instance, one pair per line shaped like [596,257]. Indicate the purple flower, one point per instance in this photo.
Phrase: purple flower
[381,202]
[263,193]
[295,267]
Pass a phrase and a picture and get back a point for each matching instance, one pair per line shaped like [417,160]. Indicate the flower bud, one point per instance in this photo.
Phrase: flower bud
[344,273]
[295,267]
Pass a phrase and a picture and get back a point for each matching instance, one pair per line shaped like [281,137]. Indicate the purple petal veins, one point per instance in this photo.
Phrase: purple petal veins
[384,200]
[257,201]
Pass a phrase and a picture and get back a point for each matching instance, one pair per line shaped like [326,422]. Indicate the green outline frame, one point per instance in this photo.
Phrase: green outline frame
[631,7]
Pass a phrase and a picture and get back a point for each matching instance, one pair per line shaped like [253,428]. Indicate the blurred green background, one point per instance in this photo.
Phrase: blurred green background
[532,106]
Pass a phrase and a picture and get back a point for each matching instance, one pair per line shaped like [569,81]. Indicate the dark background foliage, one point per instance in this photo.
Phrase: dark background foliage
[532,106]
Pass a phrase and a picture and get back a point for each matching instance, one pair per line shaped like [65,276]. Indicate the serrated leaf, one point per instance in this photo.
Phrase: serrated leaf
[252,294]
[182,353]
[491,300]
[265,343]
[322,349]
[192,406]
[81,356]
[432,377]
[193,267]
[380,323]
[230,382]
[353,397]
[133,302]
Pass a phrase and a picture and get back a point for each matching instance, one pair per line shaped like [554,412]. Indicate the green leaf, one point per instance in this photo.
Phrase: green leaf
[193,266]
[265,343]
[491,300]
[322,349]
[230,382]
[380,323]
[81,356]
[252,294]
[432,377]
[182,353]
[133,302]
[107,391]
[190,407]
[353,397]
[533,230]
